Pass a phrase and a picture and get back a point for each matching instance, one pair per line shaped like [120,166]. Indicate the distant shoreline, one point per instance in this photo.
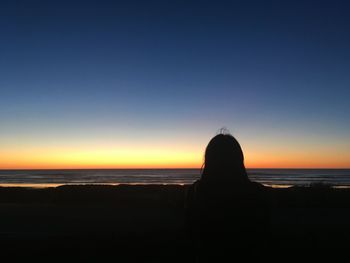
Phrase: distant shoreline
[276,178]
[82,169]
[53,185]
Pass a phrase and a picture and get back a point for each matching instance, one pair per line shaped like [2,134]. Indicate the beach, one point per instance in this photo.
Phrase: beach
[92,222]
[145,223]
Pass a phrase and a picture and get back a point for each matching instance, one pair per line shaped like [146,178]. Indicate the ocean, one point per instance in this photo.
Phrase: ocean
[269,177]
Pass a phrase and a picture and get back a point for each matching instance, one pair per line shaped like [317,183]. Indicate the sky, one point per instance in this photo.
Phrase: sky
[147,84]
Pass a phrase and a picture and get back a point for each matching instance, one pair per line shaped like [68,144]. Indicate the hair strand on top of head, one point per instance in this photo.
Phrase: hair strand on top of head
[223,131]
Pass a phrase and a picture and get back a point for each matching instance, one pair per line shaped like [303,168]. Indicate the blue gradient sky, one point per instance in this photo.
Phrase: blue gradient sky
[86,81]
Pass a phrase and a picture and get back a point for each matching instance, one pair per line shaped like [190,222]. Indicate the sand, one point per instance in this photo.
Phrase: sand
[145,223]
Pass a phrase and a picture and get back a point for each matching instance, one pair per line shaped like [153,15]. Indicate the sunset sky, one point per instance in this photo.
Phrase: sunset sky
[125,84]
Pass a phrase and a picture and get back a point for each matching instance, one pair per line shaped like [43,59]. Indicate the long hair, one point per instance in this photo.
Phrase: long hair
[224,160]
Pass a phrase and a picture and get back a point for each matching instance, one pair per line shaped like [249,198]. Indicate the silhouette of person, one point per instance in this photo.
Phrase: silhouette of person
[226,213]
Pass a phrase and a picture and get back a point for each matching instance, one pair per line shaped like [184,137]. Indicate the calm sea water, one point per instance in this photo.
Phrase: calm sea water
[270,177]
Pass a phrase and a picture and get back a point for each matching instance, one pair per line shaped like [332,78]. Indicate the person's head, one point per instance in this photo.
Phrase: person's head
[224,159]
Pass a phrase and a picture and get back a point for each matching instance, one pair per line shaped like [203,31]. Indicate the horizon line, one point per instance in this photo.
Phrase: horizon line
[177,168]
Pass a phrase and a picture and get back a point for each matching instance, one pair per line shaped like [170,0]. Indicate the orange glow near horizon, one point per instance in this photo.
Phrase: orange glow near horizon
[109,158]
[104,159]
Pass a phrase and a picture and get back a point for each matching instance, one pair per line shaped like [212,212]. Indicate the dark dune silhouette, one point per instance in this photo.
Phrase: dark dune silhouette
[146,223]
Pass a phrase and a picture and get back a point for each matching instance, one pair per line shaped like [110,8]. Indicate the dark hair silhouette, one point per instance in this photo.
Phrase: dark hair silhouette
[224,204]
[224,160]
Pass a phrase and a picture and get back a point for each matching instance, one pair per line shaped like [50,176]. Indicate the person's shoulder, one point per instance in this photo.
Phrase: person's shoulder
[193,186]
[257,185]
[192,189]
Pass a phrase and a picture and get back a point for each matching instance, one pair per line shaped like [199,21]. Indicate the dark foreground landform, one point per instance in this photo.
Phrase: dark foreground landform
[145,223]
